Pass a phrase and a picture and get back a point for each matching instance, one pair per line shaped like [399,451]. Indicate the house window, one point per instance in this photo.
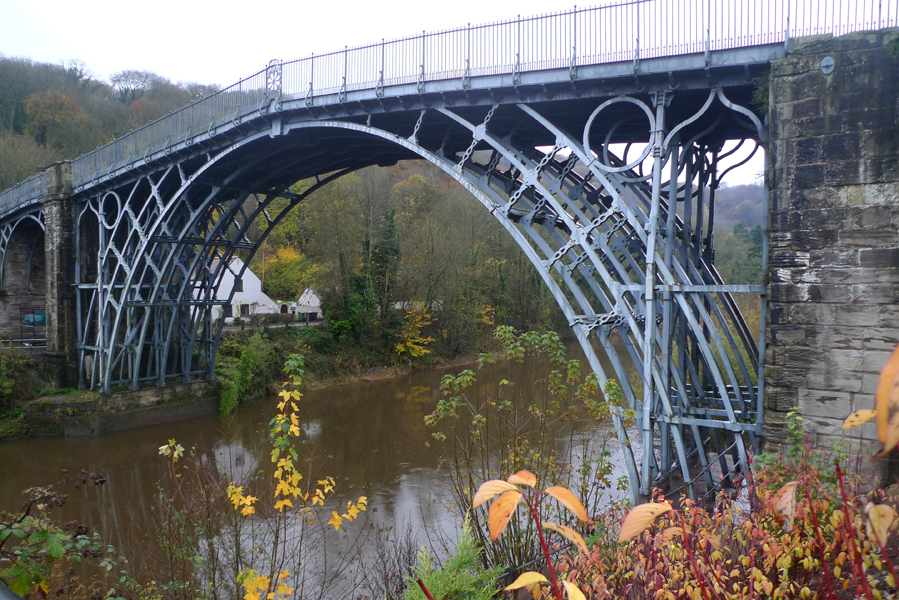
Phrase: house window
[244,310]
[238,285]
[228,311]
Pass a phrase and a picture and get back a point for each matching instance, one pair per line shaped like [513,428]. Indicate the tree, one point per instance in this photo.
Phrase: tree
[50,113]
[383,264]
[284,277]
[21,157]
[412,342]
[132,84]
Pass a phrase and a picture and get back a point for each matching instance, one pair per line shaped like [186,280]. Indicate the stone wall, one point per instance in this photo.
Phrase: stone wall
[60,359]
[24,282]
[98,414]
[833,275]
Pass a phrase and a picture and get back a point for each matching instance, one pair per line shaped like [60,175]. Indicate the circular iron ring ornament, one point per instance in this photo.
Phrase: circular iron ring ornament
[110,200]
[652,125]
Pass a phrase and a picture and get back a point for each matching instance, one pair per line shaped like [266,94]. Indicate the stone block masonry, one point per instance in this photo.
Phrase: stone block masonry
[833,275]
[60,362]
[23,287]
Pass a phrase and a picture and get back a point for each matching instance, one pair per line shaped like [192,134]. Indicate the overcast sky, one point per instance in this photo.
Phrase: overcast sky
[221,42]
[224,41]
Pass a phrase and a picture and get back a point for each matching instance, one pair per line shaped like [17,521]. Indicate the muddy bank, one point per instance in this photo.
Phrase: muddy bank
[88,413]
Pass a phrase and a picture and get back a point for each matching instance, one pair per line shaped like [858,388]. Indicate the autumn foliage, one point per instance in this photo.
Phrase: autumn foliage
[802,529]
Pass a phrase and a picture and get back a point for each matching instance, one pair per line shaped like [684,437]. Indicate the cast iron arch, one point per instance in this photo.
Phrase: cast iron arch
[590,227]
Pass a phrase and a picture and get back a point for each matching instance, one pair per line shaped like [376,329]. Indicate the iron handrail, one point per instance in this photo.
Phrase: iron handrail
[621,31]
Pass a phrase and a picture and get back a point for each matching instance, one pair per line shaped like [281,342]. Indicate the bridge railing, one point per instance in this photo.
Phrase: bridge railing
[626,30]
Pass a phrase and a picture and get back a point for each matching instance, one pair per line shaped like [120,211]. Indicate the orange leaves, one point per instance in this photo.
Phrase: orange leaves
[785,505]
[881,519]
[501,511]
[509,496]
[523,477]
[569,534]
[640,518]
[489,489]
[569,501]
[887,404]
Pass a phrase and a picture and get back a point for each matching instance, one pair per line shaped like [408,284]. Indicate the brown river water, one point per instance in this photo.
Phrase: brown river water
[368,434]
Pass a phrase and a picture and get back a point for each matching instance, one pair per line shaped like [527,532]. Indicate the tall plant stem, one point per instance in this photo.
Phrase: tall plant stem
[421,584]
[543,544]
[824,566]
[858,572]
[699,575]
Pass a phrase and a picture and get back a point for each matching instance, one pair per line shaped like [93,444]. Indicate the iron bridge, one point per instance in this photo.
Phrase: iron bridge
[531,116]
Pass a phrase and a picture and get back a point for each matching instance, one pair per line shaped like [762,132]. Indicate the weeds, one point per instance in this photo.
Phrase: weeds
[33,546]
[484,431]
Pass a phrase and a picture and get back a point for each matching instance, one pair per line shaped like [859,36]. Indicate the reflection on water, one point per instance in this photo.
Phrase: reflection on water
[368,435]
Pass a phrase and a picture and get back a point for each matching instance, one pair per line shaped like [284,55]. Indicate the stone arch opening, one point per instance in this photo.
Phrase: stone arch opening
[23,302]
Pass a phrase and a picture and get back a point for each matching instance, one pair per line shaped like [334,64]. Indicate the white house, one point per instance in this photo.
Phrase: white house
[309,302]
[248,298]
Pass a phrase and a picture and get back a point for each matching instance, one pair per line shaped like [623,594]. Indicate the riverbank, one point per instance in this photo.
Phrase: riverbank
[75,413]
[381,373]
[79,413]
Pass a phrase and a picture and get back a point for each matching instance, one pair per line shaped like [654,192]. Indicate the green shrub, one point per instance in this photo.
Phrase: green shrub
[253,370]
[461,576]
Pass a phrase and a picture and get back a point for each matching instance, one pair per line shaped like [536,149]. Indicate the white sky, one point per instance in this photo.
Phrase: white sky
[221,42]
[224,41]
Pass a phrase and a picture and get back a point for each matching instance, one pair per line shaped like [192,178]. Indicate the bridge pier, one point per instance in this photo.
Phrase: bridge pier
[833,270]
[60,359]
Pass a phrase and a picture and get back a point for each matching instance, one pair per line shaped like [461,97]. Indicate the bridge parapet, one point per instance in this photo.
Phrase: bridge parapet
[834,229]
[559,45]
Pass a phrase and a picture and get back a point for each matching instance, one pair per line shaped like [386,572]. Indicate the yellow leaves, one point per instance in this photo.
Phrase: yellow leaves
[881,518]
[887,404]
[172,450]
[247,503]
[859,417]
[525,579]
[239,501]
[283,488]
[569,501]
[640,518]
[501,511]
[256,585]
[318,498]
[279,505]
[234,494]
[352,512]
[574,593]
[785,505]
[412,343]
[569,534]
[489,489]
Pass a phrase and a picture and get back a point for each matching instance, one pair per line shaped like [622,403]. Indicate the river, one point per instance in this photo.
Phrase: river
[369,435]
